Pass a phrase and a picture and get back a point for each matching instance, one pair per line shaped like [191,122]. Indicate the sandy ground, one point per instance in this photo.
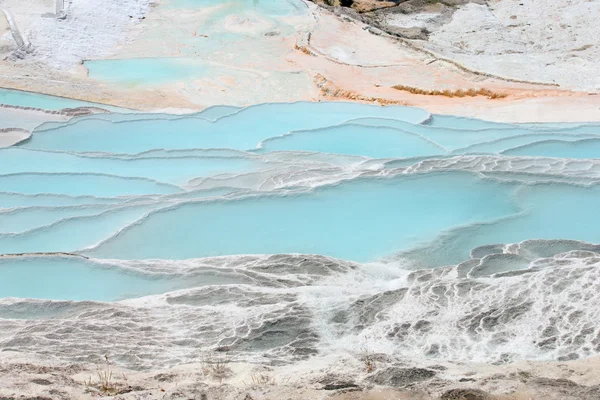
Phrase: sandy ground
[325,56]
[310,380]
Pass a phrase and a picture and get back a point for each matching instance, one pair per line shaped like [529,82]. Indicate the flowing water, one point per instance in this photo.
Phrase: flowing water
[283,231]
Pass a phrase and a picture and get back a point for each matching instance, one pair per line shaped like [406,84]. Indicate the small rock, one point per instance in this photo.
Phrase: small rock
[165,377]
[437,367]
[400,377]
[466,394]
[416,33]
[43,382]
[555,383]
[341,385]
[568,357]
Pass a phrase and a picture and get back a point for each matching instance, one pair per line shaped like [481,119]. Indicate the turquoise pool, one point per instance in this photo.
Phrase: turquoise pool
[75,278]
[146,71]
[350,181]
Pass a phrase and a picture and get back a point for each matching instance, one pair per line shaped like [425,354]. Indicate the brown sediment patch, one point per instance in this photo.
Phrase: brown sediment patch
[331,91]
[305,50]
[453,93]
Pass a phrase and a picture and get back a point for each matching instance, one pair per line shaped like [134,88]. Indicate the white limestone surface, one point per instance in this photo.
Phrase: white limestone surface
[92,28]
[553,41]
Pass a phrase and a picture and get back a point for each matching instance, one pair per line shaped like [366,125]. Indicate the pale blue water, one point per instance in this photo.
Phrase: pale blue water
[243,130]
[550,211]
[175,169]
[26,218]
[356,140]
[512,144]
[350,181]
[359,221]
[71,234]
[462,123]
[74,278]
[216,112]
[79,184]
[16,200]
[37,100]
[145,71]
[583,148]
[271,11]
[43,214]
[274,8]
[468,140]
[330,221]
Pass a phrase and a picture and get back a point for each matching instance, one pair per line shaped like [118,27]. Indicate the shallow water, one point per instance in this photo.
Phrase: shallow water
[287,231]
[264,7]
[149,71]
[343,221]
[45,102]
[243,130]
[172,168]
[214,48]
[75,278]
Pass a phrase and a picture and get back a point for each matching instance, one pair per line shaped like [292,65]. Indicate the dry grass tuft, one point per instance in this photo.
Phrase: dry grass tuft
[452,93]
[106,384]
[263,379]
[216,367]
